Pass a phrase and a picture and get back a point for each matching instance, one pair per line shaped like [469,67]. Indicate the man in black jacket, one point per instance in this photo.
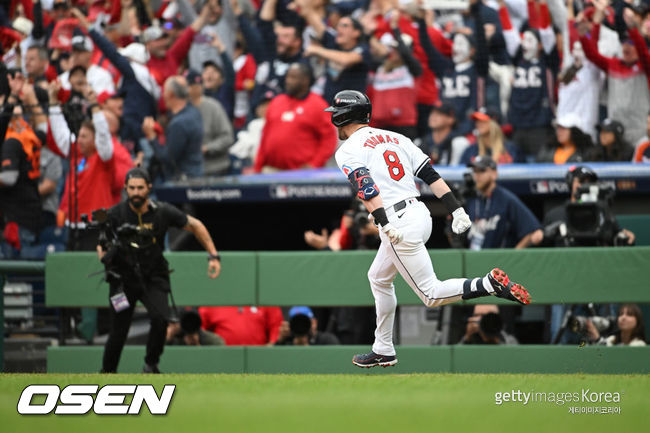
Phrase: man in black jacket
[142,273]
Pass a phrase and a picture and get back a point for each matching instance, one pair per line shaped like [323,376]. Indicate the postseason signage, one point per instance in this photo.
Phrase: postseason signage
[82,399]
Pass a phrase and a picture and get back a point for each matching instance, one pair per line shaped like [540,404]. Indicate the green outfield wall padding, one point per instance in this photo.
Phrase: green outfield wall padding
[175,359]
[341,278]
[551,359]
[571,275]
[553,275]
[68,283]
[338,359]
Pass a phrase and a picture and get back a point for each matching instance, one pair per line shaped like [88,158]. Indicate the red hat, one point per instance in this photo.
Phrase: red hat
[108,94]
[480,115]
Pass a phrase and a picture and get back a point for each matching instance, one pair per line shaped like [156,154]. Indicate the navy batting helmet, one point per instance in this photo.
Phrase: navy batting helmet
[350,106]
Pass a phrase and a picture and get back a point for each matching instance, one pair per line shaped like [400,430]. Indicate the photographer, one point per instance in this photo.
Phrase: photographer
[89,147]
[584,220]
[136,268]
[355,232]
[631,331]
[570,224]
[187,332]
[485,326]
[302,330]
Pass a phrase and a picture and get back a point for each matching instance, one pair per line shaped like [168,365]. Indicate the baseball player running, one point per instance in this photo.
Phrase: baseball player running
[382,166]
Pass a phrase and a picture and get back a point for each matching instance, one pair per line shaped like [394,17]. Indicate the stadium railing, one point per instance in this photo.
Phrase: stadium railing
[8,269]
[576,275]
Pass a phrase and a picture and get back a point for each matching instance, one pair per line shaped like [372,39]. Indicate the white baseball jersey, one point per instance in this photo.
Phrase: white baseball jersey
[392,159]
[393,162]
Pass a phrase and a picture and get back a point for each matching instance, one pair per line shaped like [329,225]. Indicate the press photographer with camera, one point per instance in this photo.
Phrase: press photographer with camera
[131,248]
[586,219]
[302,330]
[630,329]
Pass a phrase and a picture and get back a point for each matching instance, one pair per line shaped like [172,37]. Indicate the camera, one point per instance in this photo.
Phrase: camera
[467,188]
[589,221]
[364,238]
[578,324]
[74,111]
[125,238]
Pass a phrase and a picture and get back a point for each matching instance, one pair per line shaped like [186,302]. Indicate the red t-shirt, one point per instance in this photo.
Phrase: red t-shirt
[123,163]
[427,90]
[243,326]
[94,186]
[164,67]
[297,132]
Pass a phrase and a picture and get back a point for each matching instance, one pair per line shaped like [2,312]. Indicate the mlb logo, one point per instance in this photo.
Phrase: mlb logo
[280,191]
[347,170]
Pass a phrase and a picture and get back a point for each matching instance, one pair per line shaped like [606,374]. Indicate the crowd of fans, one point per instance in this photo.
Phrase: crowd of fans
[194,88]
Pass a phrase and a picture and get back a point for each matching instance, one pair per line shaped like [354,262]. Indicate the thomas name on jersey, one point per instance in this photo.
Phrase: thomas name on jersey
[373,141]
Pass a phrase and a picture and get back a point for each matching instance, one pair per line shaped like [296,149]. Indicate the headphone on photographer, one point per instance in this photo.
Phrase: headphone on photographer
[580,172]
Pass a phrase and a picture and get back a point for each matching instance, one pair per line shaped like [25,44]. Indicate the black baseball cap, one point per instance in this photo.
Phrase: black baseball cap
[193,77]
[483,162]
[614,126]
[445,108]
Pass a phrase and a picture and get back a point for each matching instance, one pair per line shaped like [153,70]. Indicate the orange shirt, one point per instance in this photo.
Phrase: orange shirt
[563,153]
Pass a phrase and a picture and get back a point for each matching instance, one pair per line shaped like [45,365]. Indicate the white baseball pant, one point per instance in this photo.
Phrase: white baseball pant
[411,259]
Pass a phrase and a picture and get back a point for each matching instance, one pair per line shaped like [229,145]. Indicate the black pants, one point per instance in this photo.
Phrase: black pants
[154,298]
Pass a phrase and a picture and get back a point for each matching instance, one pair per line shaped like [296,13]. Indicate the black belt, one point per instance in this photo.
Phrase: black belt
[400,205]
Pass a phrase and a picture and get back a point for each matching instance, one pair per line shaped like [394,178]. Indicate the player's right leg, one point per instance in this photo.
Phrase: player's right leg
[381,275]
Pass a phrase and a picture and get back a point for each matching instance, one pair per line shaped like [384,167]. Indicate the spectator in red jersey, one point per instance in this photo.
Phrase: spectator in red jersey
[392,89]
[297,133]
[243,326]
[113,102]
[123,162]
[164,59]
[98,78]
[628,99]
[245,69]
[427,83]
[92,165]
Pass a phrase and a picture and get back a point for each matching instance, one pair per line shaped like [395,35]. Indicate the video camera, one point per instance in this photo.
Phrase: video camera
[125,238]
[590,220]
[466,189]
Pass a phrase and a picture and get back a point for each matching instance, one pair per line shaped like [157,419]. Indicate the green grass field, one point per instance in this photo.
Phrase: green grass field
[344,403]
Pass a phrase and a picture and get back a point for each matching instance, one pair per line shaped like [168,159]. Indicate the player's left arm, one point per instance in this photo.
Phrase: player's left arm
[196,227]
[425,171]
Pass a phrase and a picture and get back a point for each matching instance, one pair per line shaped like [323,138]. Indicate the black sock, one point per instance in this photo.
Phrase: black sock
[478,293]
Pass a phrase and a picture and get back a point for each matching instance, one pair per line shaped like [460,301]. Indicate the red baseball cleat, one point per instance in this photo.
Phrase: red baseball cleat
[506,289]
